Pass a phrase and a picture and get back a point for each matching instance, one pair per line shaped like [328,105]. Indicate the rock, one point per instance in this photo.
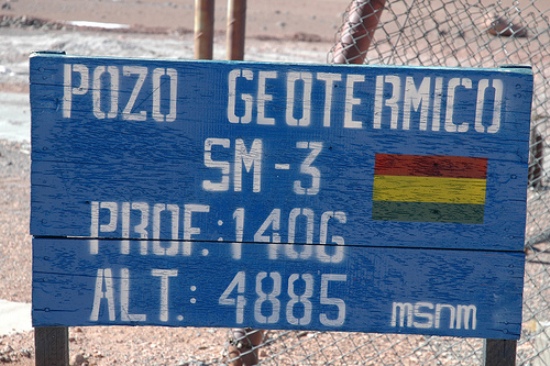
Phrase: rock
[501,26]
[306,37]
[6,350]
[78,360]
[25,352]
[5,359]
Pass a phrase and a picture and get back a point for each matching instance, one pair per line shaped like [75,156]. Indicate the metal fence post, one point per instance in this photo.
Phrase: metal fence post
[236,25]
[204,29]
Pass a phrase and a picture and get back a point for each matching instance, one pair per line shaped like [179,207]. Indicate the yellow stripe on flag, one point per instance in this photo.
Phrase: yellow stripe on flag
[429,189]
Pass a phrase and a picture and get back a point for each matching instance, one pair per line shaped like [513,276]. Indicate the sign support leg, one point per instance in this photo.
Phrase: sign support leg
[51,346]
[204,29]
[499,352]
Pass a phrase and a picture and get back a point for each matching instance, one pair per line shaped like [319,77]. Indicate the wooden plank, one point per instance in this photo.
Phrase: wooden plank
[272,138]
[51,346]
[279,286]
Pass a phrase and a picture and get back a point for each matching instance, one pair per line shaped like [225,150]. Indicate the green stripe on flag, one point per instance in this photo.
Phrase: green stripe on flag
[427,212]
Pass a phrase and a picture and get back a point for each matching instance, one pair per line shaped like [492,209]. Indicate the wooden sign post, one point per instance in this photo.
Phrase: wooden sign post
[279,196]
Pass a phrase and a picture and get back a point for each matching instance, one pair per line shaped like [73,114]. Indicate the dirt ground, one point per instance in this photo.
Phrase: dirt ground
[281,18]
[278,19]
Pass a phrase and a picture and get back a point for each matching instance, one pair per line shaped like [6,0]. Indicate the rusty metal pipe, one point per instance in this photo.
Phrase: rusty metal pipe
[204,29]
[358,31]
[236,24]
[243,349]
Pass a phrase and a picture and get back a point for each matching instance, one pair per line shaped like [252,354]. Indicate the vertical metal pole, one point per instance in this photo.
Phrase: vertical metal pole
[245,340]
[204,29]
[499,352]
[358,31]
[236,22]
[51,346]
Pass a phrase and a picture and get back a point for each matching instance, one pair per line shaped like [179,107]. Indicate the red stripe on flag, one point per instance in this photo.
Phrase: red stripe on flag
[430,166]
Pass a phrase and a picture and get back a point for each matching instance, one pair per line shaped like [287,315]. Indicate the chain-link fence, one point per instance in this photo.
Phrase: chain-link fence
[465,33]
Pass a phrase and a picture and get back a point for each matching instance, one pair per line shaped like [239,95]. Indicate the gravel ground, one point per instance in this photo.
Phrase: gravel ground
[15,248]
[15,251]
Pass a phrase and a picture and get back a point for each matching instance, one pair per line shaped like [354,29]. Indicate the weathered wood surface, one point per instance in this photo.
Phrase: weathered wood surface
[382,290]
[163,160]
[82,154]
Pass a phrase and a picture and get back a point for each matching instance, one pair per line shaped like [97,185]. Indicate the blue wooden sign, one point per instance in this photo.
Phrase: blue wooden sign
[279,196]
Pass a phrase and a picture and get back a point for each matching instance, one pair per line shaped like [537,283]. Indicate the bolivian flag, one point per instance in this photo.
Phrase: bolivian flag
[417,188]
